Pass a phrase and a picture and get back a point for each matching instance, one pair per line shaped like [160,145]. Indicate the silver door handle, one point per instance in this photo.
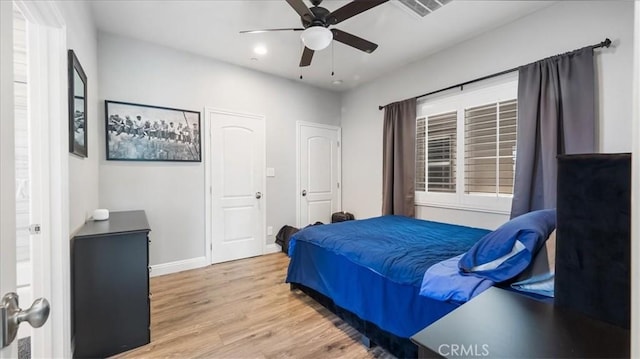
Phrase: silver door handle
[258,195]
[304,192]
[11,316]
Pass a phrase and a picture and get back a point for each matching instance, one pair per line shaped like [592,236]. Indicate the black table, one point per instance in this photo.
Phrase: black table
[504,324]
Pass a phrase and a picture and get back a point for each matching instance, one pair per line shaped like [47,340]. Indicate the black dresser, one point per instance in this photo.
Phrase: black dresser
[110,285]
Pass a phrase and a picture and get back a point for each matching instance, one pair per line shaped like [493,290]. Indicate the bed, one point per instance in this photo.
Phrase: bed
[369,272]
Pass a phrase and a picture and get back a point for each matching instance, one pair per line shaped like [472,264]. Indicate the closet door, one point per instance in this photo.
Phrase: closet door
[319,193]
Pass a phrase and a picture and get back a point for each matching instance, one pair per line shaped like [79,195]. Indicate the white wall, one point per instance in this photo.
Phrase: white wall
[82,38]
[173,194]
[559,28]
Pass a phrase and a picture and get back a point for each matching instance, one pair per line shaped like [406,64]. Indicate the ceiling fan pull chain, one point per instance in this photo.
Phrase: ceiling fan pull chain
[332,62]
[300,45]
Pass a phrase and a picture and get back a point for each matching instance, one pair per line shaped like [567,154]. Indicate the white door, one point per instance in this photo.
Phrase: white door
[19,250]
[7,179]
[238,185]
[45,182]
[319,156]
[27,194]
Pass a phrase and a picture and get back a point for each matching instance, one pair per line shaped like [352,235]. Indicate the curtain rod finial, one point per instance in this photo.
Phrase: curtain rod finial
[606,42]
[380,108]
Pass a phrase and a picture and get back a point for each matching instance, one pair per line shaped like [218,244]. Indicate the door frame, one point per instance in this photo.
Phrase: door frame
[208,186]
[299,125]
[47,40]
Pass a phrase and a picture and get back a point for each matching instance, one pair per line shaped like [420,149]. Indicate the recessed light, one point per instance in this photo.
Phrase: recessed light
[254,59]
[337,82]
[260,50]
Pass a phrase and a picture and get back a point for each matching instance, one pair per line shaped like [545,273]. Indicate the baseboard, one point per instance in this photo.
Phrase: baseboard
[178,266]
[272,248]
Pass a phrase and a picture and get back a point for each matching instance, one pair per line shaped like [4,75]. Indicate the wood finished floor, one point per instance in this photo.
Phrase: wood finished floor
[243,309]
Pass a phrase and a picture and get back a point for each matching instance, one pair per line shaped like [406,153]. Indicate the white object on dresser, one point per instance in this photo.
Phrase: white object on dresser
[100,214]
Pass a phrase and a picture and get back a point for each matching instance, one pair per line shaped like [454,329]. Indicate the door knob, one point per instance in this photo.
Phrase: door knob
[304,192]
[11,316]
[258,195]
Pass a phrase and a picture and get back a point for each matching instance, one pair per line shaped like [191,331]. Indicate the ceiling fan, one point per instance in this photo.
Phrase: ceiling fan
[316,20]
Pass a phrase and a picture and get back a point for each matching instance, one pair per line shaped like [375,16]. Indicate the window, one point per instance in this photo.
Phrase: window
[466,146]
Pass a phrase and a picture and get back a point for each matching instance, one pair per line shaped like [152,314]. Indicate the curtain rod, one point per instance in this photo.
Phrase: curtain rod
[605,43]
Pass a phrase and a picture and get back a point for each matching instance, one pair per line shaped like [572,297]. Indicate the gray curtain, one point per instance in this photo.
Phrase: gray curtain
[556,115]
[399,158]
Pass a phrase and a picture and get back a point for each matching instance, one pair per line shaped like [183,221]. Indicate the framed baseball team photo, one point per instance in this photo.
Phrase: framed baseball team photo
[136,132]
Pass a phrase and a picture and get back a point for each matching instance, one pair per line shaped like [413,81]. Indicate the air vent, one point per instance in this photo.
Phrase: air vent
[423,7]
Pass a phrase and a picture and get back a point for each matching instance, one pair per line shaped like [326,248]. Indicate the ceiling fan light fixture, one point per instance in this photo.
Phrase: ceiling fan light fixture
[316,37]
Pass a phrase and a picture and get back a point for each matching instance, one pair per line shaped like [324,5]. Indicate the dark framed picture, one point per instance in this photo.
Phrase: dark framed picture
[151,133]
[77,107]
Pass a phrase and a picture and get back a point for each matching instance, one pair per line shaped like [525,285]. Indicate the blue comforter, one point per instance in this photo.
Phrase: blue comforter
[374,267]
[398,248]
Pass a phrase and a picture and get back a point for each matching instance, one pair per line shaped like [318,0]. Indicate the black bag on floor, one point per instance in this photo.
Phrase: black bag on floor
[341,217]
[283,236]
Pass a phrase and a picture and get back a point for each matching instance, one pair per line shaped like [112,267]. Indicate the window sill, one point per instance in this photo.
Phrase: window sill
[463,207]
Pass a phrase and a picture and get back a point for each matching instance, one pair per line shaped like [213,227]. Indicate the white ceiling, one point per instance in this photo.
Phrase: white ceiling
[211,28]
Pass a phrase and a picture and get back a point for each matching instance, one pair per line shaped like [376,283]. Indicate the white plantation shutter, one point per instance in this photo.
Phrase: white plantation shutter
[508,113]
[490,139]
[421,140]
[466,147]
[439,152]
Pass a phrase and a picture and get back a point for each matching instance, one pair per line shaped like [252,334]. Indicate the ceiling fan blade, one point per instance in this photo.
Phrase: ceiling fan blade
[354,41]
[307,55]
[269,30]
[301,8]
[352,9]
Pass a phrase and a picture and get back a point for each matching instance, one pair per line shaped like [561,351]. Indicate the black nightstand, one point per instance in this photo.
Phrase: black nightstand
[503,324]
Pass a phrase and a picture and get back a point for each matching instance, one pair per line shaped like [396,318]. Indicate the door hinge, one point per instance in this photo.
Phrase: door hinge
[338,184]
[338,143]
[34,229]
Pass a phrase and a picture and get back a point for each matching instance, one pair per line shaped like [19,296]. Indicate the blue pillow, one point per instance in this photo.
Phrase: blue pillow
[504,253]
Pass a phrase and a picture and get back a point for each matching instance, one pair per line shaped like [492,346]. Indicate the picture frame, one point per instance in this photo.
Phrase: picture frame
[137,132]
[77,106]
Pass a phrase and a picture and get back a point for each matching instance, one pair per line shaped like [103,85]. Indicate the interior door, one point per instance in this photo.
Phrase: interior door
[24,271]
[319,193]
[237,177]
[7,172]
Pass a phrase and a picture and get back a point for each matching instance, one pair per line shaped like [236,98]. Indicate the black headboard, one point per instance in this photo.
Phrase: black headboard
[593,242]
